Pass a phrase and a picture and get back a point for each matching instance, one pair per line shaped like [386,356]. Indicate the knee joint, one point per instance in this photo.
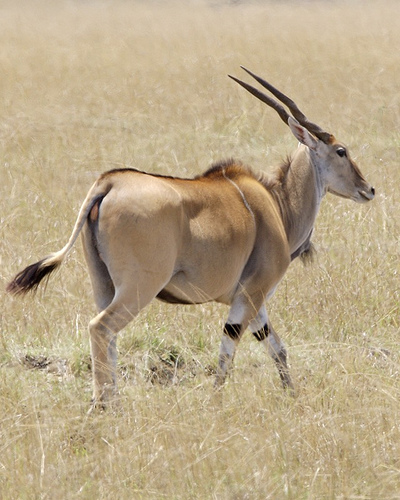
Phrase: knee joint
[232,331]
[263,333]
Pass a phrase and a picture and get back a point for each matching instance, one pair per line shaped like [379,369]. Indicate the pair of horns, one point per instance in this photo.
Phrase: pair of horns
[296,113]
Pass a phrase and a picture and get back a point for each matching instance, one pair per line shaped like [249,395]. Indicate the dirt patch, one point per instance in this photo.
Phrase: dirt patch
[56,366]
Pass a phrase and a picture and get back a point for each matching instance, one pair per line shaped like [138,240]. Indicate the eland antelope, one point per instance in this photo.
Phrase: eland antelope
[227,235]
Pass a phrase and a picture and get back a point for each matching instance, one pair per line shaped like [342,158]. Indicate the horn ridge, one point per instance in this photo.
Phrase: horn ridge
[264,98]
[291,105]
[279,95]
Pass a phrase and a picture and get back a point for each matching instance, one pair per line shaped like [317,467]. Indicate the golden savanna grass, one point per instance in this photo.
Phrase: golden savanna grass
[89,86]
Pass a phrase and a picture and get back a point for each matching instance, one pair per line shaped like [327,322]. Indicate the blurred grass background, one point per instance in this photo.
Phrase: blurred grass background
[89,86]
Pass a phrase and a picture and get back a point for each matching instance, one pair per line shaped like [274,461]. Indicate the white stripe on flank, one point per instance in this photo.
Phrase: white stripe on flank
[246,204]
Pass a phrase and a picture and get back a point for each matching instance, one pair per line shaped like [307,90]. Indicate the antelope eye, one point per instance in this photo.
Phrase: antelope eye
[341,152]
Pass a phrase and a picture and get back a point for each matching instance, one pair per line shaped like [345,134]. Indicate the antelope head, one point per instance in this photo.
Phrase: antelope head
[338,173]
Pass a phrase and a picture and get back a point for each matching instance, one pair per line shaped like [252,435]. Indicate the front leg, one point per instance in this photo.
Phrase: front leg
[243,308]
[264,333]
[229,342]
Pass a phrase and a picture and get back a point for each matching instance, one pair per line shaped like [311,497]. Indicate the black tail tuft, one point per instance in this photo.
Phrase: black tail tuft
[29,279]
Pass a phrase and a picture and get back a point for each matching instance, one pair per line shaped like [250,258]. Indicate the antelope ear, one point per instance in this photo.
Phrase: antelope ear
[302,134]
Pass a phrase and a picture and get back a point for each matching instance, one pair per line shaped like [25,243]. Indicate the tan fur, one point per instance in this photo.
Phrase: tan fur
[227,236]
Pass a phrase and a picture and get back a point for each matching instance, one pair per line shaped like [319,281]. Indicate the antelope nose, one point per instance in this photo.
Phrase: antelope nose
[368,194]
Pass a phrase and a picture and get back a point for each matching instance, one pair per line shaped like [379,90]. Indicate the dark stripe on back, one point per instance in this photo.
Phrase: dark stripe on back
[230,168]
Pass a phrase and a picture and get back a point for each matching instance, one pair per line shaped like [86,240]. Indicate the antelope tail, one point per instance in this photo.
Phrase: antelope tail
[30,278]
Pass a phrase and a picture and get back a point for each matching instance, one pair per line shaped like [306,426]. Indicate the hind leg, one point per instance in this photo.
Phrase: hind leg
[129,263]
[103,331]
[136,284]
[102,284]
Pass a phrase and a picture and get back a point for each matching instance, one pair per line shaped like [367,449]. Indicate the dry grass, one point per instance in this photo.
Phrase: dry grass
[87,86]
